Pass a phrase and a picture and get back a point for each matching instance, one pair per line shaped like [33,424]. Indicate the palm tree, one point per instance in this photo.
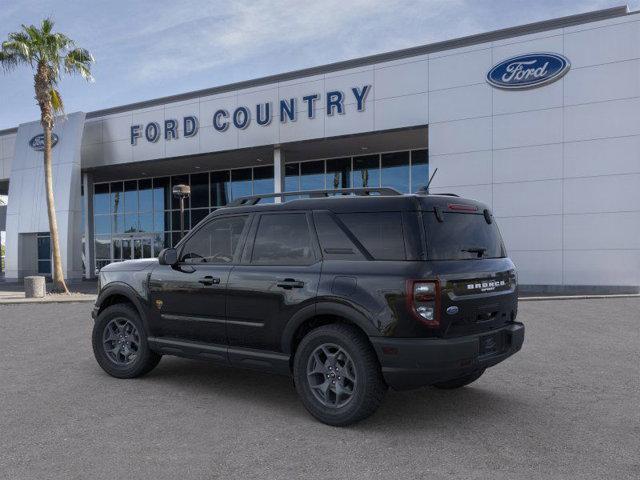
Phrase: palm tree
[47,53]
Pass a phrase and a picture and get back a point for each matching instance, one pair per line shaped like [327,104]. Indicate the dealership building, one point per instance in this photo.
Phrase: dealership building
[541,122]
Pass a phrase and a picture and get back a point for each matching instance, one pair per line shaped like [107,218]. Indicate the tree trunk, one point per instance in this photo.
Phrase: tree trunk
[59,285]
[42,85]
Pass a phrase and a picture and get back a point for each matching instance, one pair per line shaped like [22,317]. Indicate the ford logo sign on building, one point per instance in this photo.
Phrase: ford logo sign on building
[528,71]
[37,142]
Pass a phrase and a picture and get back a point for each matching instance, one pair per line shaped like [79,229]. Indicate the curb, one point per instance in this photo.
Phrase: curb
[578,297]
[20,301]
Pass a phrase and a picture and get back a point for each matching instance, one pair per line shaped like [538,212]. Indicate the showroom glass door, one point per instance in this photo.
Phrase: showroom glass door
[132,247]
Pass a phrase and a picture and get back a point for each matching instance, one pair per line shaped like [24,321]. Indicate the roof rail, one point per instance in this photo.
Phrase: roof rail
[425,191]
[254,199]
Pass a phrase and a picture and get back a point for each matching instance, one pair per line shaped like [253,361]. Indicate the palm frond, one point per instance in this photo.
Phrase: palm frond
[79,60]
[56,101]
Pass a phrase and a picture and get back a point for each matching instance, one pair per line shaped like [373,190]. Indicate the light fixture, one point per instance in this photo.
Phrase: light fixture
[258,160]
[197,167]
[364,149]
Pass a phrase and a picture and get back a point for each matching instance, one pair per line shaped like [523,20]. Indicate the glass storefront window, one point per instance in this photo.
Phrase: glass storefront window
[102,224]
[161,221]
[263,182]
[118,224]
[240,183]
[419,169]
[103,251]
[131,196]
[338,173]
[145,195]
[161,194]
[200,190]
[197,215]
[175,220]
[366,171]
[220,188]
[292,177]
[117,191]
[101,199]
[145,222]
[312,175]
[395,171]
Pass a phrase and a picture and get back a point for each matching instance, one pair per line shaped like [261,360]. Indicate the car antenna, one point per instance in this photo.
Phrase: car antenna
[431,180]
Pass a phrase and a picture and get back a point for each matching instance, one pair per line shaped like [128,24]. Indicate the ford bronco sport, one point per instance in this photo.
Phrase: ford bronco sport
[347,291]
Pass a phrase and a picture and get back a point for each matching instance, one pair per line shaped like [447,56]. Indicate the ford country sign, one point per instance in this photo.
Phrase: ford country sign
[528,71]
[37,142]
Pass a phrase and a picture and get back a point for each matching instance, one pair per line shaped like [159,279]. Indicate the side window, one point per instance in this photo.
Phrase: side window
[216,242]
[334,242]
[283,239]
[380,233]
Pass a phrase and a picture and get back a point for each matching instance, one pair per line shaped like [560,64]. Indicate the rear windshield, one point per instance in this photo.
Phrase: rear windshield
[462,236]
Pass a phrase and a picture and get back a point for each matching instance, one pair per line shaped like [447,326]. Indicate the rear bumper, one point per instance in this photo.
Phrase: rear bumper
[416,362]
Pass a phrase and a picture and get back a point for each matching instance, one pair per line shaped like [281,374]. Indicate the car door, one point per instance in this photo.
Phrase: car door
[278,276]
[190,298]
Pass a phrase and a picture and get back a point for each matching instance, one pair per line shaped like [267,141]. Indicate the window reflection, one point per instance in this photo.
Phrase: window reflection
[419,169]
[366,171]
[312,175]
[338,173]
[395,171]
[240,183]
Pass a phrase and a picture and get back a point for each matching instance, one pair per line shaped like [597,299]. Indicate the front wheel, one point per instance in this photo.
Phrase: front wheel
[459,382]
[120,343]
[337,375]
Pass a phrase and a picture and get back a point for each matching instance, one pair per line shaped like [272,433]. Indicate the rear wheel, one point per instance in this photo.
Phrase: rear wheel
[337,375]
[120,343]
[459,382]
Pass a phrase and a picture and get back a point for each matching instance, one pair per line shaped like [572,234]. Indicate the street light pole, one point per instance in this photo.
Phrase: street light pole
[181,192]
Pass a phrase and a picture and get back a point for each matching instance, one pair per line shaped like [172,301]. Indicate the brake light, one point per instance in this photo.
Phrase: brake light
[423,297]
[460,207]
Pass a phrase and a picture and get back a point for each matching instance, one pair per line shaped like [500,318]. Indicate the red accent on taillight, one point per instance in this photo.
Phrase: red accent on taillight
[459,207]
[411,302]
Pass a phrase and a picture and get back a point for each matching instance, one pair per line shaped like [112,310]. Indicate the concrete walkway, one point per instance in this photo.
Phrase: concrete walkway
[85,291]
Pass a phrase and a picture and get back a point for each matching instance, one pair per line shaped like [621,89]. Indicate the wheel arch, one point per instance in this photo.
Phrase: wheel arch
[117,293]
[323,313]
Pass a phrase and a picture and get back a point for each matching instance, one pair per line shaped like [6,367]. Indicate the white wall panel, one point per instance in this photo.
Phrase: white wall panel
[611,193]
[460,136]
[512,101]
[458,70]
[542,232]
[601,120]
[602,231]
[117,152]
[602,157]
[398,112]
[538,267]
[345,82]
[117,127]
[602,267]
[547,42]
[540,162]
[212,140]
[304,128]
[402,79]
[460,103]
[527,128]
[92,132]
[527,198]
[598,83]
[603,45]
[471,168]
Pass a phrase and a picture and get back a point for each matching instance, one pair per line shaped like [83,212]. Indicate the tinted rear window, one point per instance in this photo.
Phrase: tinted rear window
[462,236]
[380,233]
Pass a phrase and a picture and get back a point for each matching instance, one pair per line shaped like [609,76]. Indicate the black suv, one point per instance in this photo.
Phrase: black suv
[349,292]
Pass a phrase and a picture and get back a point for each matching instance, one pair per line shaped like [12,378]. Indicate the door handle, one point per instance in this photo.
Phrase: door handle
[209,280]
[289,283]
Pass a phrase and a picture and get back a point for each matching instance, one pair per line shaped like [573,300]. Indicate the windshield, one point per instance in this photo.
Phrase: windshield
[462,236]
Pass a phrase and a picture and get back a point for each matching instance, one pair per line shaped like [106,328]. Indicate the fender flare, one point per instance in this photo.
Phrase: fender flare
[119,288]
[347,312]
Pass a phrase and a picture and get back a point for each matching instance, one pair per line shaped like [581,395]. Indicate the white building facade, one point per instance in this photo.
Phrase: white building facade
[555,152]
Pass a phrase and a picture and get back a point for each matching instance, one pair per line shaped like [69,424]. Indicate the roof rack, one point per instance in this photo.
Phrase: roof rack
[254,199]
[425,191]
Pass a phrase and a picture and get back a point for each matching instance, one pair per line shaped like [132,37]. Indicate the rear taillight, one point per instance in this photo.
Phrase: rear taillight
[423,297]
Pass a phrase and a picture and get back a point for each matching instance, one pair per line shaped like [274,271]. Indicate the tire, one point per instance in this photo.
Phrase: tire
[136,357]
[360,375]
[459,382]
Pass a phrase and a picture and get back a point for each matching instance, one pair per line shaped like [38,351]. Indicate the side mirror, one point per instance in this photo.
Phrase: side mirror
[168,256]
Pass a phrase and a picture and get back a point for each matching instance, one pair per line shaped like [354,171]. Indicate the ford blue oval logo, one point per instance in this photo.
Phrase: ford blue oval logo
[528,71]
[452,310]
[37,142]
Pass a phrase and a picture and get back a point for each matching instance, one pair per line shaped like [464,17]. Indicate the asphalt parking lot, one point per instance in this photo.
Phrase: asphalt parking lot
[568,406]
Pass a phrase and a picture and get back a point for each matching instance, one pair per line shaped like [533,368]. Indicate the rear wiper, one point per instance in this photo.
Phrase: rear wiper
[479,250]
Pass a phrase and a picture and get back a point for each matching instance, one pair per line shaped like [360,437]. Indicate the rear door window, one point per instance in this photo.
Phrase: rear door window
[380,233]
[283,239]
[462,236]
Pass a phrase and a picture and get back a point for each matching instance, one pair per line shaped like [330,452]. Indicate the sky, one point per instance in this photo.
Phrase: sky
[149,49]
